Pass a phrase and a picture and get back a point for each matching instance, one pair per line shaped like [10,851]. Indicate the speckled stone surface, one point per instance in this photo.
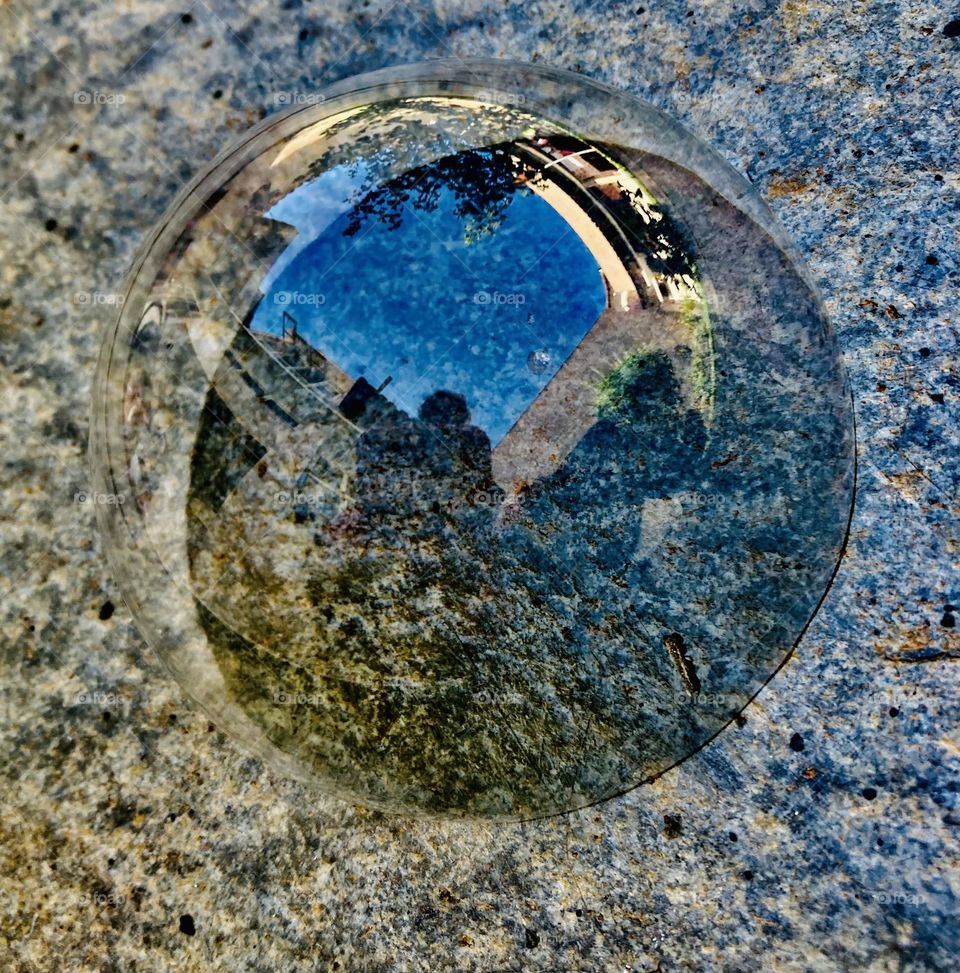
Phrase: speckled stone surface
[819,835]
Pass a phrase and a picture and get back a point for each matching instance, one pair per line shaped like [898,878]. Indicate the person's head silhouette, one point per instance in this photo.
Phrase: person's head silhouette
[642,388]
[445,409]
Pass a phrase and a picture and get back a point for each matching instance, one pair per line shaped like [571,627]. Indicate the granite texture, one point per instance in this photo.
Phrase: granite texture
[820,834]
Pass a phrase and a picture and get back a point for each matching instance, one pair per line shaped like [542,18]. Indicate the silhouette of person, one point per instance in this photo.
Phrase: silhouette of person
[414,474]
[645,445]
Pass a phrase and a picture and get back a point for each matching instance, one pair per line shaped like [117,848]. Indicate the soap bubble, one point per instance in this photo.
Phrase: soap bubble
[402,557]
[538,361]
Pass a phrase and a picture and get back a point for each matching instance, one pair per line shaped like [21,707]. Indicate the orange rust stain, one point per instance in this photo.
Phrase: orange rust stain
[915,639]
[787,187]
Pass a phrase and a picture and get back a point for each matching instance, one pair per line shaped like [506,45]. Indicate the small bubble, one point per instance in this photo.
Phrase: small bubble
[538,362]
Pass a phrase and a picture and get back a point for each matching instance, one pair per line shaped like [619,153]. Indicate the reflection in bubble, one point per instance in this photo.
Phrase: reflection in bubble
[538,361]
[410,559]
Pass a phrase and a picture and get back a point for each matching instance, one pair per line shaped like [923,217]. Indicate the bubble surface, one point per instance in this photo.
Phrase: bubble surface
[484,447]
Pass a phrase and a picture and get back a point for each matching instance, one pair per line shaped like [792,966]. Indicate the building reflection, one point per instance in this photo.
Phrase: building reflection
[653,300]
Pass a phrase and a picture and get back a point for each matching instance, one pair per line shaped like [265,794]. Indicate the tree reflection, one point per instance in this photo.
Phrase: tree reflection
[481,181]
